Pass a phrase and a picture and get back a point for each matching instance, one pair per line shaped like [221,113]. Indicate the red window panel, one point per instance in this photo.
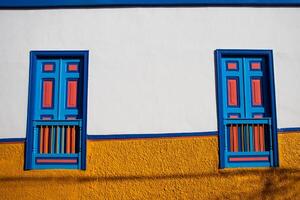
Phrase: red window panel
[72,94]
[47,93]
[232,66]
[72,67]
[255,65]
[256,92]
[232,92]
[48,67]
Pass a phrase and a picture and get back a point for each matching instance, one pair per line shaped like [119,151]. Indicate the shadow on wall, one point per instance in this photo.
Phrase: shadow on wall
[222,184]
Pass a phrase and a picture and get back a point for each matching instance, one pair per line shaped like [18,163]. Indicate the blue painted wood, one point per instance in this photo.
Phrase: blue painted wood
[248,121]
[57,122]
[85,3]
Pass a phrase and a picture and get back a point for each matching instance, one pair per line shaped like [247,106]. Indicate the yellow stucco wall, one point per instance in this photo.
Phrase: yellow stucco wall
[170,168]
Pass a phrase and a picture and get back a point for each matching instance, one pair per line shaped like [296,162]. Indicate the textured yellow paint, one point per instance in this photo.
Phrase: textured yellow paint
[170,168]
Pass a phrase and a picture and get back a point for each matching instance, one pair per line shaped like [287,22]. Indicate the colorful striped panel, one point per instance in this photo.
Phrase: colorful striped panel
[232,66]
[256,92]
[47,93]
[72,94]
[249,159]
[48,68]
[255,66]
[72,67]
[53,160]
[232,92]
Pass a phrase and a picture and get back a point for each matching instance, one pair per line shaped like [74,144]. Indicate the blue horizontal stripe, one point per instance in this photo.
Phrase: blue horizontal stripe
[91,3]
[3,140]
[151,135]
[286,130]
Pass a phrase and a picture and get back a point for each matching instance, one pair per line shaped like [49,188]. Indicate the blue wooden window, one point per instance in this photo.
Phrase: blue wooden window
[56,126]
[246,108]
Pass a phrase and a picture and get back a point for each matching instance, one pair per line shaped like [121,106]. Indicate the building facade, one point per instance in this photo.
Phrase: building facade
[150,99]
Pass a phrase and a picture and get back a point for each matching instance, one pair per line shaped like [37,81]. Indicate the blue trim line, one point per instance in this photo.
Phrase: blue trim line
[3,140]
[95,3]
[151,135]
[286,130]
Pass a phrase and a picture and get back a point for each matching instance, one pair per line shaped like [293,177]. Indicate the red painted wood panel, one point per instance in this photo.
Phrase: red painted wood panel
[48,67]
[72,94]
[255,65]
[256,92]
[45,160]
[232,66]
[232,92]
[47,93]
[72,67]
[249,159]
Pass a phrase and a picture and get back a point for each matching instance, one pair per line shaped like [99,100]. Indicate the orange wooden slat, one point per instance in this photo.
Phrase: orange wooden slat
[68,142]
[235,139]
[256,138]
[46,139]
[73,139]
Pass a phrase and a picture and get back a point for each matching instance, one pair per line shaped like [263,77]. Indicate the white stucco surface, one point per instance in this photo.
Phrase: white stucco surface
[151,70]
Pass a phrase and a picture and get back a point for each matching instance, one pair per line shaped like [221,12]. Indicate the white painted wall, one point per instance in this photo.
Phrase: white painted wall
[151,69]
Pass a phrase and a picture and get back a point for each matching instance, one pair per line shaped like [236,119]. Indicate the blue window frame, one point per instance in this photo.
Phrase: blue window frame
[57,110]
[247,122]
